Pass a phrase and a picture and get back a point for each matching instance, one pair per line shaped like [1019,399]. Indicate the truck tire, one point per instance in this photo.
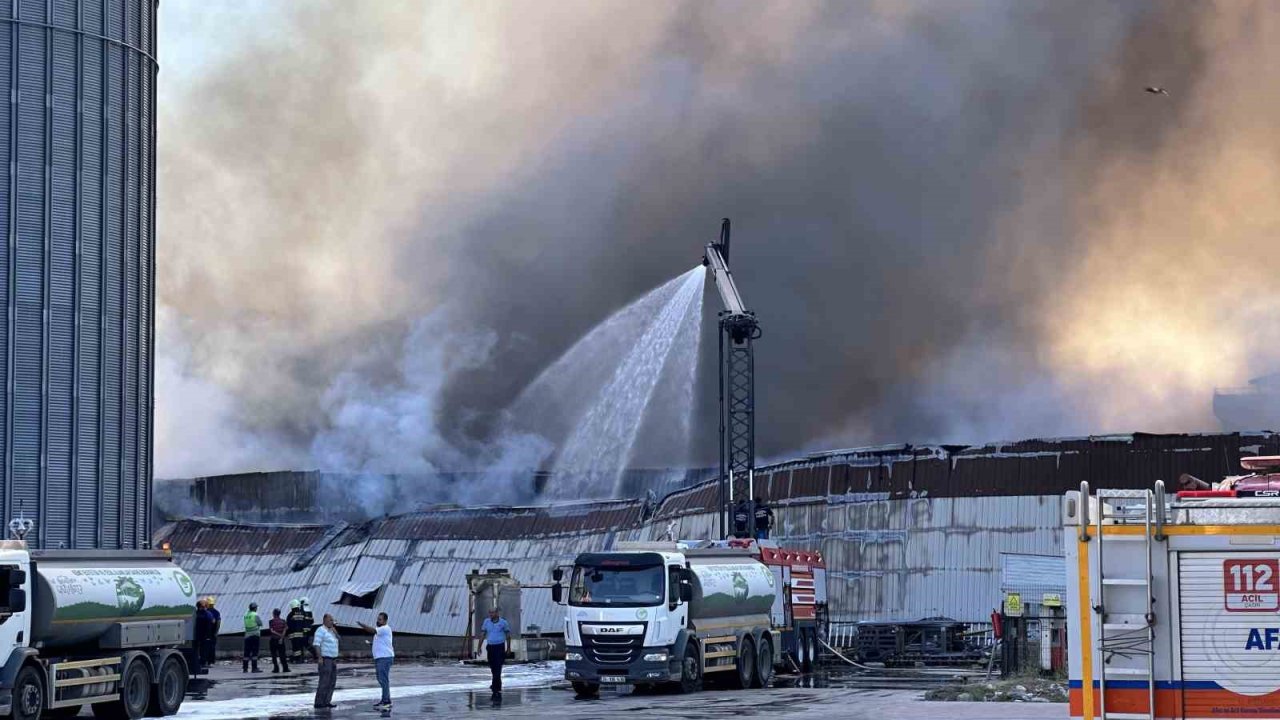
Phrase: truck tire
[808,651]
[746,666]
[764,664]
[169,688]
[690,672]
[586,689]
[28,694]
[814,649]
[135,694]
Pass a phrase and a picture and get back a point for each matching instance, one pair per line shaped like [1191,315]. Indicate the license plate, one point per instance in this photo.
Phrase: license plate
[612,679]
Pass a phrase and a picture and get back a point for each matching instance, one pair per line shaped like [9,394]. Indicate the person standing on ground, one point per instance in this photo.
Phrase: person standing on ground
[764,520]
[297,622]
[203,630]
[741,519]
[308,621]
[383,656]
[497,636]
[325,646]
[211,643]
[279,654]
[252,637]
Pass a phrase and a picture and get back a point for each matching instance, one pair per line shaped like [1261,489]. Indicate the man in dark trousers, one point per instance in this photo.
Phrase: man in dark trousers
[497,638]
[211,642]
[279,653]
[252,637]
[324,644]
[742,519]
[297,622]
[203,631]
[764,520]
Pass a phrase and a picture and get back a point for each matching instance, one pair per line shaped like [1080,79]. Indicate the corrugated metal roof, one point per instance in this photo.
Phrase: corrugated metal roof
[1027,467]
[216,536]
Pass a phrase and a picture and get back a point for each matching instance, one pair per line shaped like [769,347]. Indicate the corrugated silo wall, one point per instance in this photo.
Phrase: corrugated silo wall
[77,267]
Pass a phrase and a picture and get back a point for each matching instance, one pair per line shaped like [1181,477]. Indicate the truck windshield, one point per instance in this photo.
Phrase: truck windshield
[600,586]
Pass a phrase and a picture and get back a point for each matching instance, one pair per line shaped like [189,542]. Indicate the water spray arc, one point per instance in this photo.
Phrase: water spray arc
[738,330]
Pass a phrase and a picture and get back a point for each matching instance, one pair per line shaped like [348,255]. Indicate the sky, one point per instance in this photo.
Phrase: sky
[957,221]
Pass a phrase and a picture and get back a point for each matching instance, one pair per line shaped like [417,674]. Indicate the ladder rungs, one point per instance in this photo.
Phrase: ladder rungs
[1124,627]
[1125,581]
[1127,716]
[1131,672]
[1126,538]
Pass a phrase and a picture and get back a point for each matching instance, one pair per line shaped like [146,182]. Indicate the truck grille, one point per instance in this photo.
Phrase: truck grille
[613,650]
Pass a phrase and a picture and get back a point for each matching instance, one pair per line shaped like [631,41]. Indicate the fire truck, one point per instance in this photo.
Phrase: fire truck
[1175,598]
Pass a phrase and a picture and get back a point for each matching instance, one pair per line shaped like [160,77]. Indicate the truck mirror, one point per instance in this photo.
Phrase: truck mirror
[17,577]
[557,574]
[17,600]
[557,593]
[686,592]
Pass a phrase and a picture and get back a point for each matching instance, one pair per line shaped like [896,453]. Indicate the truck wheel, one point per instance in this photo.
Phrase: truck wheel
[746,673]
[802,649]
[813,650]
[690,672]
[764,664]
[586,689]
[28,694]
[169,689]
[135,694]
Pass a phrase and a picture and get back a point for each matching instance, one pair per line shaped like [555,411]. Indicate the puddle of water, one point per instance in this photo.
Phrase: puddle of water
[274,705]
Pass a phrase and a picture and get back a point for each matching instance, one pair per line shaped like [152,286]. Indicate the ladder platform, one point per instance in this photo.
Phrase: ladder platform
[1125,581]
[1127,716]
[1127,538]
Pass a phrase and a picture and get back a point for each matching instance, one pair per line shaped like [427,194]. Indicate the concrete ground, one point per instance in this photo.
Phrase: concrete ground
[538,691]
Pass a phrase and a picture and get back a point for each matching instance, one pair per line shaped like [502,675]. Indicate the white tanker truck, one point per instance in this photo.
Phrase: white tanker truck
[104,628]
[672,613]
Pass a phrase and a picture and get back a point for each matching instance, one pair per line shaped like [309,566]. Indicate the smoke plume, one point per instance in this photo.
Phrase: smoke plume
[956,220]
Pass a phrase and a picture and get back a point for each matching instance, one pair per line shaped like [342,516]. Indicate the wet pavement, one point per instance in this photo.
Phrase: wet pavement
[537,691]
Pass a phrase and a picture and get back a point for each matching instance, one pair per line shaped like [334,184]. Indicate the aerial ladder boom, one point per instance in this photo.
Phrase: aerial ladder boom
[738,329]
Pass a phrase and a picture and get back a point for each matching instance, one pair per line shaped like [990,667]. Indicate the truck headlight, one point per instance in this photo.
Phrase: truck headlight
[657,657]
[572,656]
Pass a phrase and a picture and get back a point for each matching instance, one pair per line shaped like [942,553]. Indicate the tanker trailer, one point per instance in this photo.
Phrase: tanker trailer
[104,628]
[661,613]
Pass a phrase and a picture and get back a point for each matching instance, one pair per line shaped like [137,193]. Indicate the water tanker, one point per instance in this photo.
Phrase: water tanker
[676,613]
[105,628]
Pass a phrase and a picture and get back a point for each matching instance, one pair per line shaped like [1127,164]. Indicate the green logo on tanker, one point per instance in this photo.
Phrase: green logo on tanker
[129,596]
[740,587]
[184,583]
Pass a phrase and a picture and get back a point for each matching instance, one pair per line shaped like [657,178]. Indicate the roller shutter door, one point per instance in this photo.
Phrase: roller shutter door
[1230,634]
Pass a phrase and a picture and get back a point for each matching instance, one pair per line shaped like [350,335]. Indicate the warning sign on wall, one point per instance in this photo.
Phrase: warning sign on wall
[1250,585]
[1013,605]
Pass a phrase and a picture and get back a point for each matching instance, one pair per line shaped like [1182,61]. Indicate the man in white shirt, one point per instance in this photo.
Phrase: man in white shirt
[325,645]
[383,655]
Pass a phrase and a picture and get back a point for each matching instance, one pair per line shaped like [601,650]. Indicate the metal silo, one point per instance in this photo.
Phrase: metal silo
[77,269]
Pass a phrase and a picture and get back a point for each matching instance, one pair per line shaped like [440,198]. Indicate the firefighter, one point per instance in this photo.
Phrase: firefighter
[742,520]
[297,622]
[764,520]
[308,620]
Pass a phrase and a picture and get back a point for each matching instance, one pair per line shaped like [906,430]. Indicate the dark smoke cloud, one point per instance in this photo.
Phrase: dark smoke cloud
[928,202]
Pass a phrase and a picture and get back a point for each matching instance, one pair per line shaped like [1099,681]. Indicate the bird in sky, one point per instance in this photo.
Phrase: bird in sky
[1157,91]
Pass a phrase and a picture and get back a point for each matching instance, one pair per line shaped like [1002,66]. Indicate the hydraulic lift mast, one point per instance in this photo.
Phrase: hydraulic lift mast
[738,328]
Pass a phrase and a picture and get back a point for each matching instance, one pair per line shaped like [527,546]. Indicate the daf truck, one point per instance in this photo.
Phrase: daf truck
[98,628]
[649,614]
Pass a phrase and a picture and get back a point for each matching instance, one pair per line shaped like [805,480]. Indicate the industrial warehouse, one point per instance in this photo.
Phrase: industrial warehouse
[415,358]
[907,533]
